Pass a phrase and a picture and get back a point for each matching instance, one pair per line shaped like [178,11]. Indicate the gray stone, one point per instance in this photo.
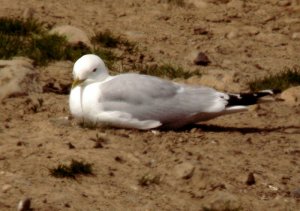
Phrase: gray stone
[73,34]
[184,170]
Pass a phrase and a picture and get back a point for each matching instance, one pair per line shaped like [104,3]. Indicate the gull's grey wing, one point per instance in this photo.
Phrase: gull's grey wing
[152,98]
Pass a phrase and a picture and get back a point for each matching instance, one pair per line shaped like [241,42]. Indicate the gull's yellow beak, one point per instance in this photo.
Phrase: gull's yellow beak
[77,82]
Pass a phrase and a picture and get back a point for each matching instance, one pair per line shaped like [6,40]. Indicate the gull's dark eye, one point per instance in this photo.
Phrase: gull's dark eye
[94,70]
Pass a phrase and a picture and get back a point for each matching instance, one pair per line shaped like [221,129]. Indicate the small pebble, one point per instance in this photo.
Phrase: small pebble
[24,205]
[71,146]
[184,170]
[201,59]
[200,31]
[250,179]
[6,187]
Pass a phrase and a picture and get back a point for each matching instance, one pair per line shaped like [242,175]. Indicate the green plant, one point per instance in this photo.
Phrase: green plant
[10,45]
[46,48]
[20,27]
[20,37]
[280,81]
[72,170]
[108,40]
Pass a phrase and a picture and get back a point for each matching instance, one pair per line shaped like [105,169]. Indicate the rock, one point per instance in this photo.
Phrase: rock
[184,170]
[222,201]
[296,36]
[201,59]
[232,34]
[18,77]
[24,205]
[73,34]
[251,179]
[291,96]
[6,187]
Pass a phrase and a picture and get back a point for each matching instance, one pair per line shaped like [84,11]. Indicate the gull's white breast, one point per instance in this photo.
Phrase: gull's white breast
[75,102]
[84,102]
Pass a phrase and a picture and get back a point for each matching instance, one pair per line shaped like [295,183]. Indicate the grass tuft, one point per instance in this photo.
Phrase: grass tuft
[168,71]
[280,81]
[10,45]
[108,40]
[20,27]
[71,171]
[20,37]
[46,48]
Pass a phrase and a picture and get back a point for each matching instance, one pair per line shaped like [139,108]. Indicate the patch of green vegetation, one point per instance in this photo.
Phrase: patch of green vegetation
[75,51]
[108,40]
[71,171]
[46,48]
[20,37]
[149,179]
[167,70]
[10,45]
[280,81]
[20,27]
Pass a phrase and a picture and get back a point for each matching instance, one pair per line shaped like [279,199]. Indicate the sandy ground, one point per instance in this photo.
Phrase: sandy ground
[204,167]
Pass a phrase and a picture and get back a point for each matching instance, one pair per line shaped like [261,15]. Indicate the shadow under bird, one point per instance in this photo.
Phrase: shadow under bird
[145,102]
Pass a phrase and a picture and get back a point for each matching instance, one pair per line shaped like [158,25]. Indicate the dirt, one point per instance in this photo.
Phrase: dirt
[204,167]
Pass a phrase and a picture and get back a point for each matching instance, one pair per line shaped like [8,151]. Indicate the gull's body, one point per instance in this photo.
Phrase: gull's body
[144,102]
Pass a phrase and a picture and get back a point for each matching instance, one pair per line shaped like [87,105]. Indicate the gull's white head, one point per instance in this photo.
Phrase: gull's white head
[89,67]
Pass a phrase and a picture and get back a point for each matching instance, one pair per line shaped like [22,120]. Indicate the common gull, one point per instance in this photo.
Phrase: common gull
[146,102]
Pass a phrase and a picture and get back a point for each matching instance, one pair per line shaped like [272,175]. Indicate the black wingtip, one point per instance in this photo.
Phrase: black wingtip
[245,99]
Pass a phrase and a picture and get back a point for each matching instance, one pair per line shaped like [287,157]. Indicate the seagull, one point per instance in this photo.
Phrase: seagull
[136,101]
